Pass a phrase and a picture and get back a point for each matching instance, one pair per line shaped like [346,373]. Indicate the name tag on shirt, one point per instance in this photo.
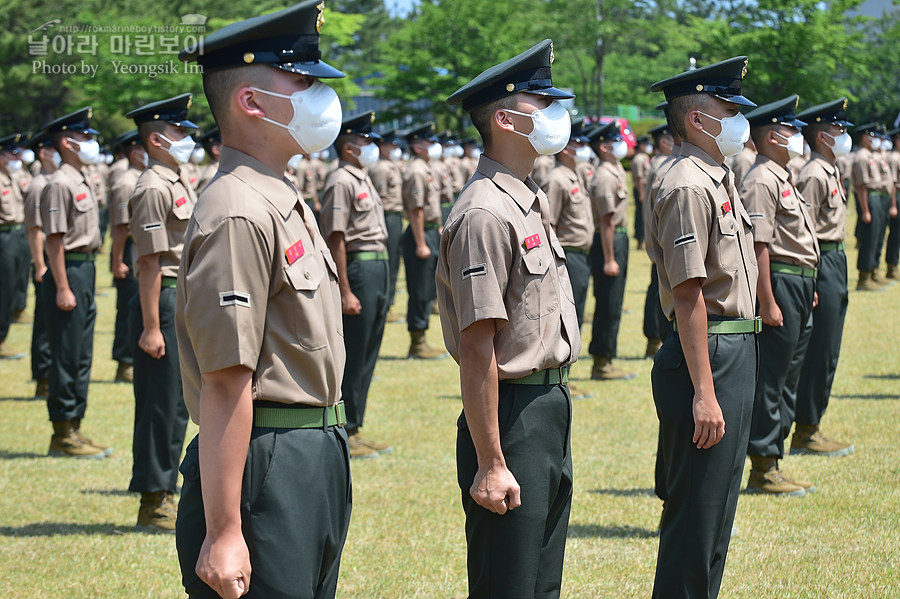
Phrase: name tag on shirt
[785,193]
[362,196]
[575,190]
[80,197]
[726,207]
[295,252]
[181,202]
[533,241]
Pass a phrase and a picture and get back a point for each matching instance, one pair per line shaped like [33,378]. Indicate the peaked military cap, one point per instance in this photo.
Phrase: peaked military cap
[211,137]
[660,130]
[469,141]
[894,132]
[287,40]
[78,122]
[721,80]
[11,142]
[664,106]
[577,132]
[126,140]
[390,137]
[448,139]
[827,113]
[529,72]
[780,111]
[425,131]
[868,128]
[605,132]
[171,110]
[38,140]
[361,124]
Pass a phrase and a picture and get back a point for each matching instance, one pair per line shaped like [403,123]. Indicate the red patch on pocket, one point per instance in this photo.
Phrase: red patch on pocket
[834,192]
[6,192]
[181,201]
[726,207]
[575,190]
[295,252]
[193,180]
[532,241]
[785,193]
[363,195]
[80,197]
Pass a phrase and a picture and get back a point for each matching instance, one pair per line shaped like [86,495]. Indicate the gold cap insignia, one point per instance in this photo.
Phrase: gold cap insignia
[796,102]
[320,18]
[155,117]
[552,56]
[249,57]
[90,113]
[699,88]
[510,87]
[64,127]
[744,70]
[845,103]
[372,118]
[189,102]
[818,119]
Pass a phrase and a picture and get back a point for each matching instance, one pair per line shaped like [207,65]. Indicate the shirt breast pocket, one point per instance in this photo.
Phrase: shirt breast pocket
[182,209]
[539,295]
[305,276]
[729,253]
[363,203]
[789,202]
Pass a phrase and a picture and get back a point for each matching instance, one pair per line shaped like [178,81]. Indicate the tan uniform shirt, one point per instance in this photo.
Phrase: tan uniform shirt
[844,166]
[457,175]
[258,288]
[570,208]
[640,166]
[867,170]
[96,177]
[657,160]
[820,185]
[894,160]
[421,189]
[120,194]
[887,172]
[115,169]
[206,175]
[12,206]
[699,229]
[308,177]
[585,172]
[654,180]
[33,200]
[779,214]
[191,174]
[741,164]
[500,260]
[796,164]
[608,194]
[351,205]
[160,208]
[68,207]
[468,166]
[441,171]
[388,180]
[23,178]
[542,167]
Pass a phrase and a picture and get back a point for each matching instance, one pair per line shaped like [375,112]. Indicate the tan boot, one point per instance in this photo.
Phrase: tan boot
[653,346]
[578,393]
[42,389]
[378,446]
[22,317]
[65,443]
[358,450]
[765,477]
[866,282]
[809,440]
[124,373]
[419,348]
[805,485]
[157,513]
[892,274]
[394,318]
[76,424]
[604,370]
[7,353]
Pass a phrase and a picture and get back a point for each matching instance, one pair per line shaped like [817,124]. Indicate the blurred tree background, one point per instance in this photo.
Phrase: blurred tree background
[407,58]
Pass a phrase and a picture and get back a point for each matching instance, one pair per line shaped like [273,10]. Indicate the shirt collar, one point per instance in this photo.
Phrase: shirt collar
[715,170]
[523,193]
[779,171]
[73,173]
[162,170]
[823,162]
[353,170]
[282,196]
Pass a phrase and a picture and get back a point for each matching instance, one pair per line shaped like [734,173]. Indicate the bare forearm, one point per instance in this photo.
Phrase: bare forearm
[150,281]
[417,225]
[36,248]
[339,254]
[479,386]
[226,419]
[862,194]
[607,237]
[119,235]
[690,313]
[764,282]
[57,260]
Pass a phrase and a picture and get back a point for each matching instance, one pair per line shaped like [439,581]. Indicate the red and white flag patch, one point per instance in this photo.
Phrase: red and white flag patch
[80,197]
[295,252]
[532,241]
[181,201]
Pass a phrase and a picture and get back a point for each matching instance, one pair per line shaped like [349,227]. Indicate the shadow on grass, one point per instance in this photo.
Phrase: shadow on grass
[110,492]
[888,377]
[24,399]
[588,531]
[875,396]
[623,492]
[455,396]
[55,529]
[20,455]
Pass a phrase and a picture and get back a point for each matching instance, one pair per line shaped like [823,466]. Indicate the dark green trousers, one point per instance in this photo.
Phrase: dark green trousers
[871,235]
[127,288]
[160,416]
[11,261]
[892,251]
[71,342]
[394,223]
[23,275]
[820,363]
[656,325]
[782,351]
[40,343]
[638,215]
[420,278]
[519,555]
[578,265]
[363,332]
[701,485]
[609,293]
[295,509]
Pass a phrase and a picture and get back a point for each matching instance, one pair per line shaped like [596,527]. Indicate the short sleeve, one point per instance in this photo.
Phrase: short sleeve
[684,222]
[479,261]
[557,195]
[860,170]
[118,203]
[761,205]
[415,191]
[337,201]
[149,209]
[33,207]
[227,286]
[814,190]
[604,192]
[55,200]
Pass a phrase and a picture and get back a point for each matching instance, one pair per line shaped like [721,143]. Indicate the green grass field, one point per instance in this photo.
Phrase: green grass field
[66,525]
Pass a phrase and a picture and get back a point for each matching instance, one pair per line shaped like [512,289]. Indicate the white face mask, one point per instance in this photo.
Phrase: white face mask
[395,154]
[876,144]
[145,160]
[448,152]
[620,149]
[794,144]
[552,127]
[734,134]
[198,155]
[317,116]
[13,166]
[888,145]
[435,151]
[368,155]
[27,156]
[88,151]
[648,149]
[56,159]
[294,162]
[476,153]
[313,155]
[582,155]
[841,144]
[180,150]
